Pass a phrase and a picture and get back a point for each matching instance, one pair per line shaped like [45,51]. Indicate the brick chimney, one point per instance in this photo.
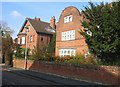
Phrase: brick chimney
[38,19]
[52,22]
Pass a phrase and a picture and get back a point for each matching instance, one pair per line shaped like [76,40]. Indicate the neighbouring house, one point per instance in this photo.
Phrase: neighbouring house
[15,40]
[37,33]
[68,39]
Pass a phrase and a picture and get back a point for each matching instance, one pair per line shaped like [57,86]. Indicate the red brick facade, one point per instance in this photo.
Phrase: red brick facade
[76,45]
[32,33]
[34,38]
[79,42]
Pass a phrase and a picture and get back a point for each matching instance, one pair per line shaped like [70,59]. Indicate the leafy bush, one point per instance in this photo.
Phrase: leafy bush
[20,52]
[50,57]
[91,59]
[37,53]
[78,59]
[103,62]
[57,59]
[40,53]
[71,59]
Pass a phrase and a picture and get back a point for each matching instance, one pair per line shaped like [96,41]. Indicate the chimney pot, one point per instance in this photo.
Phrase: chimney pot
[38,19]
[52,22]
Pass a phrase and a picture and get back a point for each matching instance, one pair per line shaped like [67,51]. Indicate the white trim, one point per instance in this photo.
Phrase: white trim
[23,40]
[68,35]
[67,52]
[68,19]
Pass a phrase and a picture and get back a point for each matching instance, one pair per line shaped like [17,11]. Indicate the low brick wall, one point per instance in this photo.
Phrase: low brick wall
[102,74]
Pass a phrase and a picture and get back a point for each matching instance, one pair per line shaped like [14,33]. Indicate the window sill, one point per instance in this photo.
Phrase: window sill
[67,40]
[72,39]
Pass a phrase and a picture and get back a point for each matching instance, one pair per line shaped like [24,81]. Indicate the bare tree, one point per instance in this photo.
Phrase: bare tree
[5,29]
[6,42]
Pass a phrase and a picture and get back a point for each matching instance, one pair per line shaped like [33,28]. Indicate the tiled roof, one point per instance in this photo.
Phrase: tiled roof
[22,33]
[40,26]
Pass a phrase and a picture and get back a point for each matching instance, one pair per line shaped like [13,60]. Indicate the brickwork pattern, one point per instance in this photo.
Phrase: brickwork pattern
[102,74]
[79,42]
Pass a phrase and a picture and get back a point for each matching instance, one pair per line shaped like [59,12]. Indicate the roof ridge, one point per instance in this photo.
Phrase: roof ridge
[40,26]
[37,20]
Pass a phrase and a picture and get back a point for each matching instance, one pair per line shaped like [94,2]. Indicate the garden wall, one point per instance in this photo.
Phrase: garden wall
[102,74]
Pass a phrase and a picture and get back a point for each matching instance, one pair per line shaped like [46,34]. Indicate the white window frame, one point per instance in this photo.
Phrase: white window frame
[67,52]
[23,40]
[68,19]
[31,38]
[68,35]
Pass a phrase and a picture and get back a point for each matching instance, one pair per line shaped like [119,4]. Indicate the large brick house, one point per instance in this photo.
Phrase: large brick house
[68,39]
[37,33]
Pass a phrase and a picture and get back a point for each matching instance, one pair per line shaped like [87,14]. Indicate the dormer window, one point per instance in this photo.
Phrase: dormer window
[68,19]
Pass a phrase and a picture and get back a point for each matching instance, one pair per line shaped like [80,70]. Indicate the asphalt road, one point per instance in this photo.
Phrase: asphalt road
[22,77]
[11,78]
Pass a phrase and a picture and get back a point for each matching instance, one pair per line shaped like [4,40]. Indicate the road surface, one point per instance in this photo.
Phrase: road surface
[22,77]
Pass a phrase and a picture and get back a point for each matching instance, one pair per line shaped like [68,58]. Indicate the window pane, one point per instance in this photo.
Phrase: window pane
[65,52]
[68,35]
[31,39]
[65,19]
[23,40]
[68,19]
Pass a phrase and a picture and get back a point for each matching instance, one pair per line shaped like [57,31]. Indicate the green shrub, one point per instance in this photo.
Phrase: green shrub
[103,62]
[77,59]
[40,53]
[71,59]
[37,53]
[57,59]
[50,56]
[91,60]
